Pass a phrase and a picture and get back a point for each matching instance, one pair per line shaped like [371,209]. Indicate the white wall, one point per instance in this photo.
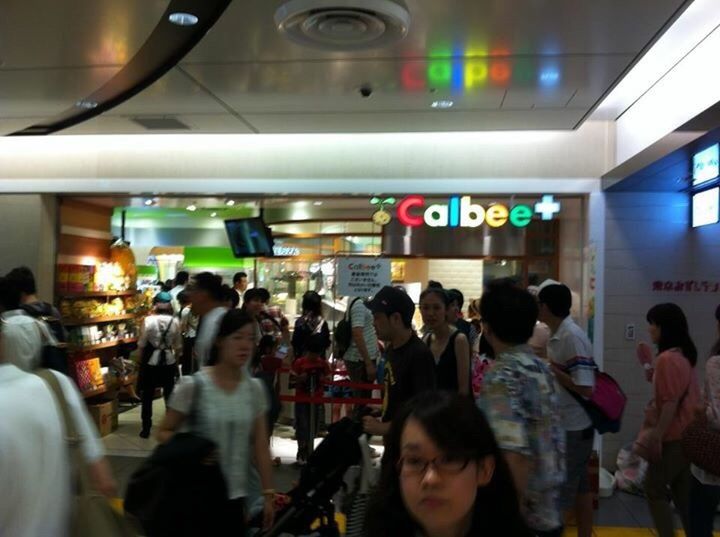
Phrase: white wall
[648,238]
[463,274]
[29,238]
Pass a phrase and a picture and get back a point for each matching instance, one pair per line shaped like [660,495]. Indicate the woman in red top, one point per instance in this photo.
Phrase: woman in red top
[675,396]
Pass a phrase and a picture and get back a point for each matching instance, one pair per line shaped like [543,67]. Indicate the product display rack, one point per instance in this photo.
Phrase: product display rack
[104,345]
[98,320]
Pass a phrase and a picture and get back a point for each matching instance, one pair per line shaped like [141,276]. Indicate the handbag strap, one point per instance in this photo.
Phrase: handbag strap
[78,474]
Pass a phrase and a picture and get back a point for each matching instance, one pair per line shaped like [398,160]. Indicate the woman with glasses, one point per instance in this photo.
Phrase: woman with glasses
[443,475]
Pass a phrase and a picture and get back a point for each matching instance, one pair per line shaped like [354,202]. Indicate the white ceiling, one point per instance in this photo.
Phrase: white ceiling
[522,65]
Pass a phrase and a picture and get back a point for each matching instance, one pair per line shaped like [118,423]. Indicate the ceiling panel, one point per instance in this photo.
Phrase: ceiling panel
[247,31]
[44,93]
[174,94]
[198,124]
[436,121]
[66,33]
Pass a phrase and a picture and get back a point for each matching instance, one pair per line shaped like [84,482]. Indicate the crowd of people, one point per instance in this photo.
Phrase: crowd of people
[483,422]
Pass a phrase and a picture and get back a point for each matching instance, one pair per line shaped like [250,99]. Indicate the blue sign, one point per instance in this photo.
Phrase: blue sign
[706,165]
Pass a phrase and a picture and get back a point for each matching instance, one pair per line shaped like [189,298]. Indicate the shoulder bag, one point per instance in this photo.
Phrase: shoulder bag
[91,514]
[701,442]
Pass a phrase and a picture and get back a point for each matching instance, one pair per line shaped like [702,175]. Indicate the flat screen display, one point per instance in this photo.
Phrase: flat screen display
[706,207]
[706,164]
[249,237]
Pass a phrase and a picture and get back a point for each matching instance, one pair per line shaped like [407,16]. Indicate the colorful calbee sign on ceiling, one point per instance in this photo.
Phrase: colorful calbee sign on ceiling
[460,211]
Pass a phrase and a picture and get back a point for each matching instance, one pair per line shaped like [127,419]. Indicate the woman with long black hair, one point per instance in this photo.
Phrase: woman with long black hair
[443,474]
[675,397]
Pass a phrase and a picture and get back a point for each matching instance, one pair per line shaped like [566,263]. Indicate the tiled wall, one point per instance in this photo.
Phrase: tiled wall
[463,274]
[648,238]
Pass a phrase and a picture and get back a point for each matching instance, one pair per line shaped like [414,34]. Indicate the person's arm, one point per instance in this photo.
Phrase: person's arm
[375,427]
[170,425]
[672,383]
[357,318]
[261,451]
[520,470]
[142,340]
[566,382]
[462,356]
[179,406]
[177,342]
[578,373]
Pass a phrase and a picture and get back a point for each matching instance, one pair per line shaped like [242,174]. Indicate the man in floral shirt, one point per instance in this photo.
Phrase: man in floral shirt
[519,400]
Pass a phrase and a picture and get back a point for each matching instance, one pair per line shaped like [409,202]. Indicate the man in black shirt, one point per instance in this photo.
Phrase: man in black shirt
[409,366]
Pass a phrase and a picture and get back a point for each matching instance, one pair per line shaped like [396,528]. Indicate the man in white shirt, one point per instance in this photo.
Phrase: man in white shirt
[160,346]
[240,284]
[206,296]
[34,460]
[363,353]
[570,354]
[181,279]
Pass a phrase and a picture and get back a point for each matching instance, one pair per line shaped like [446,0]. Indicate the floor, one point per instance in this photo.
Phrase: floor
[621,515]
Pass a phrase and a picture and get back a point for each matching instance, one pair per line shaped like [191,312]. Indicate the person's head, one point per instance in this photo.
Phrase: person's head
[162,303]
[230,297]
[235,342]
[443,473]
[255,300]
[315,346]
[716,348]
[205,291]
[24,279]
[457,299]
[182,277]
[240,281]
[392,311]
[508,315]
[9,295]
[474,308]
[183,298]
[554,302]
[267,345]
[312,304]
[434,303]
[668,328]
[432,284]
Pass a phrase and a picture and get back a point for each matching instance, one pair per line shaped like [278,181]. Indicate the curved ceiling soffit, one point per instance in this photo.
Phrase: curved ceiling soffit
[165,47]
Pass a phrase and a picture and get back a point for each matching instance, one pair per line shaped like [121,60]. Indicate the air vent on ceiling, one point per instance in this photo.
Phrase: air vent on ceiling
[343,25]
[161,123]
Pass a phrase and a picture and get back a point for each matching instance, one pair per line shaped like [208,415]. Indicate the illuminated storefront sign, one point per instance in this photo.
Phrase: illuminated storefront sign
[706,207]
[460,211]
[706,165]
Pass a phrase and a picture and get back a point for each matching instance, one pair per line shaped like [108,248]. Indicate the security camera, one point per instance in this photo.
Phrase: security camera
[366,91]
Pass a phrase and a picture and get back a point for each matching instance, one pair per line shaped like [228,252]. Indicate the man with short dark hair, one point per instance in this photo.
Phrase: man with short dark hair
[240,284]
[206,296]
[181,280]
[519,400]
[570,354]
[409,364]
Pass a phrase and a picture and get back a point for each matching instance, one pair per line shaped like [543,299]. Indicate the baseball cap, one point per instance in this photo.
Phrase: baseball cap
[163,297]
[547,283]
[392,300]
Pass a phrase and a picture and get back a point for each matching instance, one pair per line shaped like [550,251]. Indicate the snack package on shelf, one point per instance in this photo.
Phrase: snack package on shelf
[88,374]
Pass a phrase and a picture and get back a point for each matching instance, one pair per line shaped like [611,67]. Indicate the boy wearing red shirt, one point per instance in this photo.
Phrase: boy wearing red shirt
[310,372]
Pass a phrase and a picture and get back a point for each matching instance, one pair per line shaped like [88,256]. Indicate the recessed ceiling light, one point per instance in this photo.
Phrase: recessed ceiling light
[192,207]
[317,203]
[443,104]
[183,19]
[149,202]
[230,203]
[86,104]
[213,214]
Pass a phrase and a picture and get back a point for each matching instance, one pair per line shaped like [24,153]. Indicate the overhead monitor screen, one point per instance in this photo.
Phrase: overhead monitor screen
[706,207]
[249,237]
[706,165]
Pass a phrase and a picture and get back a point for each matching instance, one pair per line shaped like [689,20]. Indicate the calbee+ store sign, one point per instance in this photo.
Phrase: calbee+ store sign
[460,211]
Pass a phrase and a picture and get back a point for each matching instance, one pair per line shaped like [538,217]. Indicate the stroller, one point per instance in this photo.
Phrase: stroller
[322,478]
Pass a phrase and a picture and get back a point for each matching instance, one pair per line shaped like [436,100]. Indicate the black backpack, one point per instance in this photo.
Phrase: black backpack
[343,332]
[53,356]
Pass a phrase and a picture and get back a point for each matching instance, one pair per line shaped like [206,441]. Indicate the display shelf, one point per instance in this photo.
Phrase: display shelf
[98,320]
[94,393]
[90,294]
[98,346]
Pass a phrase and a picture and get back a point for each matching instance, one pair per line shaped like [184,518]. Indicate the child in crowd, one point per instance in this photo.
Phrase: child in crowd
[310,371]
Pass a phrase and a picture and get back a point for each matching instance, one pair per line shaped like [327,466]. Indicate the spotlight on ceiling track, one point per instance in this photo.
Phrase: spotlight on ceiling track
[86,104]
[149,202]
[229,203]
[192,207]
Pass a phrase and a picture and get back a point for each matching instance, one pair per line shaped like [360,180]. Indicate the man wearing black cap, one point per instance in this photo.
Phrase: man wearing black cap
[410,366]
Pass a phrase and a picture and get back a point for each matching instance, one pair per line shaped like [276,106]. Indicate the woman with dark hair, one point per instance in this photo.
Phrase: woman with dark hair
[449,346]
[310,322]
[224,403]
[675,397]
[443,474]
[704,486]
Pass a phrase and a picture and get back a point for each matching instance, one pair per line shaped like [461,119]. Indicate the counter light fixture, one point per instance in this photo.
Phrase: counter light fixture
[183,19]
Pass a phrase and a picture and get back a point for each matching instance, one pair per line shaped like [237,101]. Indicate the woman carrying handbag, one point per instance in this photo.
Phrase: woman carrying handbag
[675,397]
